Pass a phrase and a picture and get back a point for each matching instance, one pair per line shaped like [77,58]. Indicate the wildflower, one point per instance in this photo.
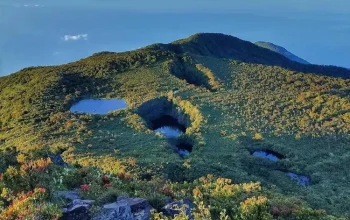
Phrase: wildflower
[84,188]
[105,180]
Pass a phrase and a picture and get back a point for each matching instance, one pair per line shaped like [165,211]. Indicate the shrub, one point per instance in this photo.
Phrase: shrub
[31,205]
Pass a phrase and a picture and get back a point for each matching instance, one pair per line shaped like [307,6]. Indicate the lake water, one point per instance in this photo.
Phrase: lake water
[98,106]
[270,155]
[300,179]
[168,126]
[169,132]
[184,149]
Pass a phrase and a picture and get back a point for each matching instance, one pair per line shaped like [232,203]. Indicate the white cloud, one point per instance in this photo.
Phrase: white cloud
[36,6]
[75,37]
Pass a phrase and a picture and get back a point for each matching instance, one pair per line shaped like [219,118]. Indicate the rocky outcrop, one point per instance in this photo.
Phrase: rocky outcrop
[77,210]
[125,209]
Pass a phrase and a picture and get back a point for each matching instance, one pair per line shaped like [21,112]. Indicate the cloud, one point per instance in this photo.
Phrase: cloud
[75,37]
[36,6]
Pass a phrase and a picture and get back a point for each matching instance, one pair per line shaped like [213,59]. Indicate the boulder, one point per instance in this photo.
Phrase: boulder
[173,208]
[125,209]
[77,210]
[116,210]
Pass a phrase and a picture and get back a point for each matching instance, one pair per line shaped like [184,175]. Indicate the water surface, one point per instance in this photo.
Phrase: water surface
[168,126]
[98,106]
[169,132]
[267,154]
[300,179]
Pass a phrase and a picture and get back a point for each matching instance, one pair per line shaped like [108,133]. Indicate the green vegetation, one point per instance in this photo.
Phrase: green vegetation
[233,96]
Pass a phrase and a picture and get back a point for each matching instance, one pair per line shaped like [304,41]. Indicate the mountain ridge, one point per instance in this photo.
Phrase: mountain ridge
[281,50]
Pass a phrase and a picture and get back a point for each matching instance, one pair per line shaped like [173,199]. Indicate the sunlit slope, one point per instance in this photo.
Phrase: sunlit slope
[249,97]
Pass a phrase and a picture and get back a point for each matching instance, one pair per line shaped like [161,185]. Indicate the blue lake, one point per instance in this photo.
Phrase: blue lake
[168,126]
[169,132]
[268,155]
[300,179]
[98,106]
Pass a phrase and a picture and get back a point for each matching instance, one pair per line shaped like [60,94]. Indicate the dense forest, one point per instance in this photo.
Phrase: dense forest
[233,97]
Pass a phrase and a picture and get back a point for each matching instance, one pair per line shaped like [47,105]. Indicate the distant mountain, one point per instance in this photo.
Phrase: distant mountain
[281,50]
[228,47]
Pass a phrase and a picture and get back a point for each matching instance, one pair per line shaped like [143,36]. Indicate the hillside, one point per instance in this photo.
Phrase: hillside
[229,100]
[282,51]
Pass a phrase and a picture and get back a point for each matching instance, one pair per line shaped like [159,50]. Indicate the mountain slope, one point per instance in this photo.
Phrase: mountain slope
[232,96]
[229,47]
[282,51]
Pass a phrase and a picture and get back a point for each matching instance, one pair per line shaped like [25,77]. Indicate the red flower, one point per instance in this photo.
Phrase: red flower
[84,188]
[105,179]
[29,193]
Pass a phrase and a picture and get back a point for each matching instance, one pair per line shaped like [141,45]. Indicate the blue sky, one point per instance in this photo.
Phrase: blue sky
[38,32]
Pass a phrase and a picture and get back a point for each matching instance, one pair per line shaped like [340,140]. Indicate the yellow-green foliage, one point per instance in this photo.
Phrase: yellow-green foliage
[107,164]
[196,117]
[30,205]
[135,121]
[215,85]
[273,99]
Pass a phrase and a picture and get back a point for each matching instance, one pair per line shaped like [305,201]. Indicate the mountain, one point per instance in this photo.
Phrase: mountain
[210,118]
[282,51]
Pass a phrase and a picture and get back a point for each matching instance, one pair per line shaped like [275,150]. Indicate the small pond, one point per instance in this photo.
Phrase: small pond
[184,149]
[98,106]
[268,154]
[300,179]
[168,126]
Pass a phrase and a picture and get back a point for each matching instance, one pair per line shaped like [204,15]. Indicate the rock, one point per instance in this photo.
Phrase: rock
[77,210]
[116,210]
[173,208]
[139,207]
[70,195]
[125,209]
[58,160]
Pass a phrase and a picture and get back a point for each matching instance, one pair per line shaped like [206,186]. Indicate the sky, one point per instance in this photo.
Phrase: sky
[51,32]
